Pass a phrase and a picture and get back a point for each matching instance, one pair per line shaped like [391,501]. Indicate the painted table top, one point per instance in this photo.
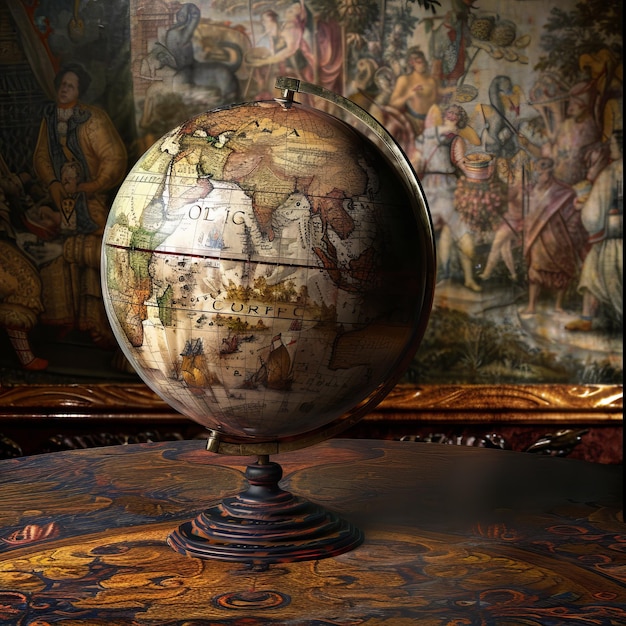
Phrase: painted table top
[453,535]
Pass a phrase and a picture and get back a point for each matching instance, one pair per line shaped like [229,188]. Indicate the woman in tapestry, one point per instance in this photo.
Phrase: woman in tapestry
[290,48]
[440,151]
[80,157]
[601,279]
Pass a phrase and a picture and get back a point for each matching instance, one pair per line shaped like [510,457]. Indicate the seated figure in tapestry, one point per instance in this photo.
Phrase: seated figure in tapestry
[78,161]
[20,285]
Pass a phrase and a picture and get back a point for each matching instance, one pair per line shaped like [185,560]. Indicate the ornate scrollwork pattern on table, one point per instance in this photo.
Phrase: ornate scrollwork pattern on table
[88,542]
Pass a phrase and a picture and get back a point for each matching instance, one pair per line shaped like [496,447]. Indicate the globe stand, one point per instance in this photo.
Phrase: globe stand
[382,280]
[265,524]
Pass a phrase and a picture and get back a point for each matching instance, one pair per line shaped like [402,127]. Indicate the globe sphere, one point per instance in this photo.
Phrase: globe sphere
[268,271]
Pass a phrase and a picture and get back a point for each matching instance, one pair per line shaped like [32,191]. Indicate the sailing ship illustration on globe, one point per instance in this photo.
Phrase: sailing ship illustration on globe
[268,269]
[275,368]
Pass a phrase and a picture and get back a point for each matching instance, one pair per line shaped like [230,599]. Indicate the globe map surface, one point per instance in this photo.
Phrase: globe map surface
[267,270]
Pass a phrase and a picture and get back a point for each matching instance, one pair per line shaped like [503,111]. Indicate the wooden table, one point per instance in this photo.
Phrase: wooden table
[453,535]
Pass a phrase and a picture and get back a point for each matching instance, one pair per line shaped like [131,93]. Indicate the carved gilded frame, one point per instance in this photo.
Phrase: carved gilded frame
[515,404]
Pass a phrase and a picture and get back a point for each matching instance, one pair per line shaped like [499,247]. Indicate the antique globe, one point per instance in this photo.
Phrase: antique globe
[268,270]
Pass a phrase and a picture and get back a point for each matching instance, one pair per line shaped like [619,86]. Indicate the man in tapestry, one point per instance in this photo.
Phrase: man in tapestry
[20,285]
[553,236]
[81,158]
